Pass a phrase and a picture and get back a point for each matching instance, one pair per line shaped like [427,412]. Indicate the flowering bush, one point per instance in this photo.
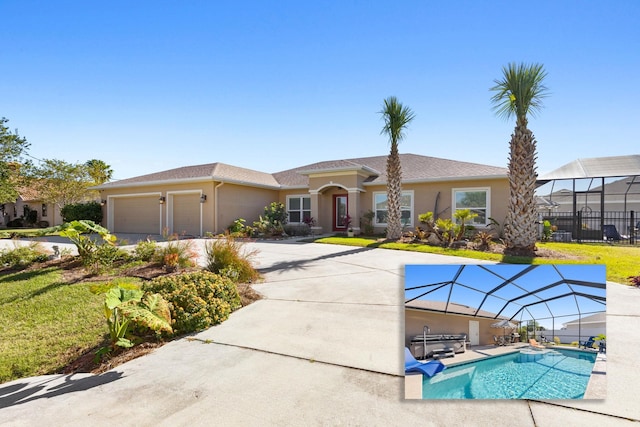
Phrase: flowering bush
[196,300]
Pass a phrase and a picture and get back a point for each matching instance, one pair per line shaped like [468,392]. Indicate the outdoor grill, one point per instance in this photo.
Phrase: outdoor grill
[435,346]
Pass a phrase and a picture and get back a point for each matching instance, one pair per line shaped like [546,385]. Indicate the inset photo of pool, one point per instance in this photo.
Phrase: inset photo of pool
[505,331]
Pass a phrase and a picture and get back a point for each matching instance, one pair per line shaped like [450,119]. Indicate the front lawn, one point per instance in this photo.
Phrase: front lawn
[621,261]
[46,323]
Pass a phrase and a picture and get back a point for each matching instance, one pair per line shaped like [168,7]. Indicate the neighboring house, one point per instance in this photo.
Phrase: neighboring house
[457,319]
[618,196]
[29,199]
[194,200]
[580,329]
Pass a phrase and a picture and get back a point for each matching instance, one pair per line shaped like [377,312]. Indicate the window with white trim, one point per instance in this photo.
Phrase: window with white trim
[298,208]
[477,200]
[381,209]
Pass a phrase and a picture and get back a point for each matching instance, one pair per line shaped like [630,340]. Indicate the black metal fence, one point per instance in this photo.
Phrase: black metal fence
[594,226]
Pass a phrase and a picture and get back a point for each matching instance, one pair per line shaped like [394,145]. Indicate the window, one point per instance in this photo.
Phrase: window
[298,208]
[477,200]
[380,207]
[44,209]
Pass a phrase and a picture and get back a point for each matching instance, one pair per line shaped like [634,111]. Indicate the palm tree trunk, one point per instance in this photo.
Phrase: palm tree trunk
[520,224]
[394,192]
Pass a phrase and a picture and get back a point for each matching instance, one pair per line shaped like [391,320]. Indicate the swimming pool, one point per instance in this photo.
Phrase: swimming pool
[546,374]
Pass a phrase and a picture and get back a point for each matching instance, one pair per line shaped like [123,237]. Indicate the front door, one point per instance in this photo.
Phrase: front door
[474,332]
[340,212]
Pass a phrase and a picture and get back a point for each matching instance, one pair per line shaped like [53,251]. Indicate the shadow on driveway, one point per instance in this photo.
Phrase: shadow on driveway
[21,392]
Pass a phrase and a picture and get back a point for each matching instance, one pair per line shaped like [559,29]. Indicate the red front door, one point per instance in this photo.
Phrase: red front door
[340,209]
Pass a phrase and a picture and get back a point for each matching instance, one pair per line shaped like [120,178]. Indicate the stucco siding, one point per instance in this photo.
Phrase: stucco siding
[238,201]
[415,320]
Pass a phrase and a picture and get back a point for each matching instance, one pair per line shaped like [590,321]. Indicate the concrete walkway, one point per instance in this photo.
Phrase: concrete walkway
[324,347]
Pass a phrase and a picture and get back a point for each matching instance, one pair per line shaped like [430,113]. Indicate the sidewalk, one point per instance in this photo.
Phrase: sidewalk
[324,347]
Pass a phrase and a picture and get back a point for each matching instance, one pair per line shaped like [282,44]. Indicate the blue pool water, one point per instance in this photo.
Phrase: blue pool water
[555,374]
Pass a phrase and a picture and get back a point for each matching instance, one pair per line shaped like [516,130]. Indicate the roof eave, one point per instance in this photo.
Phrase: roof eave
[441,179]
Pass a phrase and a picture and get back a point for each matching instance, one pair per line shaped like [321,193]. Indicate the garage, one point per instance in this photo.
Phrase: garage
[186,214]
[136,215]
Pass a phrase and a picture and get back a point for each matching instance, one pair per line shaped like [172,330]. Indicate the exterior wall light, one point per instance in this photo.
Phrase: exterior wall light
[203,198]
[162,199]
[103,202]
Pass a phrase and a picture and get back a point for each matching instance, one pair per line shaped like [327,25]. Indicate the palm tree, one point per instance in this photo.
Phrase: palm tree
[396,118]
[519,93]
[99,171]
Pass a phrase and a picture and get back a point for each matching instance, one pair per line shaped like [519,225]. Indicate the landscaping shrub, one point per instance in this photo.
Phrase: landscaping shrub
[196,300]
[176,253]
[145,250]
[22,256]
[229,257]
[272,221]
[91,211]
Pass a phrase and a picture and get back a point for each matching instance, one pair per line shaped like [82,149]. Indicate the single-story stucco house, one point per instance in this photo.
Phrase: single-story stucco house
[194,200]
[47,214]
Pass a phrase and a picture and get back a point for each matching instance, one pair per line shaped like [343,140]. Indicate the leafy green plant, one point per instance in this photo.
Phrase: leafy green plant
[484,240]
[126,306]
[273,220]
[367,222]
[145,250]
[229,257]
[197,300]
[76,232]
[546,231]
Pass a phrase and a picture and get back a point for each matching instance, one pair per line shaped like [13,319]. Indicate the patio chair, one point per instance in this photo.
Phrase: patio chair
[429,369]
[610,234]
[588,343]
[535,344]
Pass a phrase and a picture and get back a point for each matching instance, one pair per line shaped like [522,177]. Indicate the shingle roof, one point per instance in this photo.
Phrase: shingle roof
[415,168]
[440,306]
[206,172]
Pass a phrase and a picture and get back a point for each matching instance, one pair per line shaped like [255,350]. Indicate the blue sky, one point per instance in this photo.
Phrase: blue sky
[474,282]
[151,85]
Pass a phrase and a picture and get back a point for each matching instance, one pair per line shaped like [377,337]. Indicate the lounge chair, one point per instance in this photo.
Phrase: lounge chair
[412,365]
[588,343]
[535,344]
[610,233]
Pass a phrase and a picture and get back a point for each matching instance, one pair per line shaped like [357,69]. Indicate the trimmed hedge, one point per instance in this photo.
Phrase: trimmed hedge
[91,211]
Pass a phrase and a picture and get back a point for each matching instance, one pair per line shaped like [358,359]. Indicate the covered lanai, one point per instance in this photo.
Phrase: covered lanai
[455,299]
[601,209]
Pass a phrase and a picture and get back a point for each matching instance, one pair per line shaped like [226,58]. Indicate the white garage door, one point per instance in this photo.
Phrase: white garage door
[136,215]
[186,214]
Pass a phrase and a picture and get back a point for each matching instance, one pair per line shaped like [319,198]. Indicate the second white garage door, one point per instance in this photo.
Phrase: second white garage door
[186,214]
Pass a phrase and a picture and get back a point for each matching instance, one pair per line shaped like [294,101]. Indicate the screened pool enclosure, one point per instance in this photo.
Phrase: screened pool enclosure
[563,301]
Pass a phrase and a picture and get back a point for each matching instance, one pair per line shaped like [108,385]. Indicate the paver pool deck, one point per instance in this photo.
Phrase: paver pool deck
[324,347]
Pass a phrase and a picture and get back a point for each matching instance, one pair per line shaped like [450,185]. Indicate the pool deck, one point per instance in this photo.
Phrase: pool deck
[596,389]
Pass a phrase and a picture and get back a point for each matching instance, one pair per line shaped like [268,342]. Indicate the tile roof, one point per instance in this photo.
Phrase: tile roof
[415,168]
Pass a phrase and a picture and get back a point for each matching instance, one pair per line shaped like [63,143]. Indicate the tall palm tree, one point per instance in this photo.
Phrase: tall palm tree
[99,171]
[396,118]
[518,94]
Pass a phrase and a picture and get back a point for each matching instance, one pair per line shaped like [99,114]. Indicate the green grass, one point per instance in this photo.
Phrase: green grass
[621,261]
[45,323]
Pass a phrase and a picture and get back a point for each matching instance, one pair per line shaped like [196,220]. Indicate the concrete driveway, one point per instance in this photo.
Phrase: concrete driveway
[324,347]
